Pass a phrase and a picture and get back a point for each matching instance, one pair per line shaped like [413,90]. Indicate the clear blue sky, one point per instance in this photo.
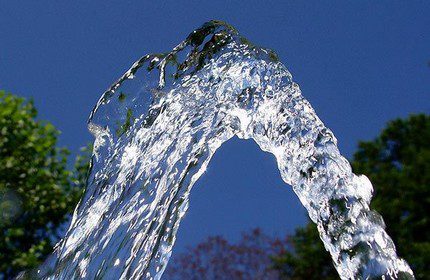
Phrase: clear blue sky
[359,63]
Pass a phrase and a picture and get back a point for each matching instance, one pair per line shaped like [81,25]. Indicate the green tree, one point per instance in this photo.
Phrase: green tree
[398,164]
[308,259]
[37,191]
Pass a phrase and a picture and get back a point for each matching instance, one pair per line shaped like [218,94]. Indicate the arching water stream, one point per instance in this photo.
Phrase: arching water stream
[156,130]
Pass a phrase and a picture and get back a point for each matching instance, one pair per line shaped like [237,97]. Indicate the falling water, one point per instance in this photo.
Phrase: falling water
[156,130]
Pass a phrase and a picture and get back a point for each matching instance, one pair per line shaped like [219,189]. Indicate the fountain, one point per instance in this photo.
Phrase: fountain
[156,130]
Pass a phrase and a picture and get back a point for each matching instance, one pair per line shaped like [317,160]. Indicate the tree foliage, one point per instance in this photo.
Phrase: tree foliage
[216,258]
[37,191]
[308,259]
[398,164]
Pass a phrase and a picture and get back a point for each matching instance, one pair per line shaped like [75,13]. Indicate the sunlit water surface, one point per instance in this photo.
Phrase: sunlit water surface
[156,130]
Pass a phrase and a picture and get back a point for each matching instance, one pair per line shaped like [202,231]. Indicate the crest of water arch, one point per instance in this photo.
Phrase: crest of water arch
[156,130]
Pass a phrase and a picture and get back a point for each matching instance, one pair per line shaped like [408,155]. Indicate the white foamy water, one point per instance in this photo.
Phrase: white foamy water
[156,130]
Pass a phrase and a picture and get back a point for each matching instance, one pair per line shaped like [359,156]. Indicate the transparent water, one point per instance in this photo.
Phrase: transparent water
[156,130]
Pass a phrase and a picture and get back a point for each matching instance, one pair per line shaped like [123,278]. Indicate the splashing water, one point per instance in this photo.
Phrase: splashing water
[156,130]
